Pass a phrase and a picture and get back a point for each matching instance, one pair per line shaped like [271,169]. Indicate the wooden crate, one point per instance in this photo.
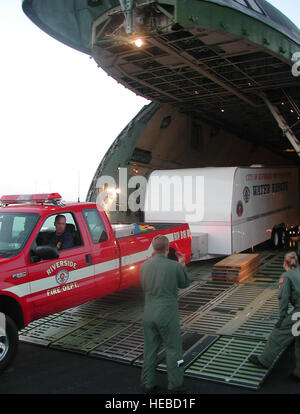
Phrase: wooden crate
[236,268]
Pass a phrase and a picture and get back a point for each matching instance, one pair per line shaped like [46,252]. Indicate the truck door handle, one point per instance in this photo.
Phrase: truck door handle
[88,258]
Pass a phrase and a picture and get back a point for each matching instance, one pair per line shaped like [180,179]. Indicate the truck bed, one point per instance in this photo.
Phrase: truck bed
[122,230]
[134,249]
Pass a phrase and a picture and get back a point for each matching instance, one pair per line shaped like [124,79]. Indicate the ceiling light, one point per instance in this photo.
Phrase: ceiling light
[139,42]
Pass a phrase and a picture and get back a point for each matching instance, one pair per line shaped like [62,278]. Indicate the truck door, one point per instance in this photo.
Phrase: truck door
[104,252]
[58,284]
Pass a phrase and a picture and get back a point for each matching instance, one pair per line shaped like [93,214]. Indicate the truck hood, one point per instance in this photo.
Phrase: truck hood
[4,260]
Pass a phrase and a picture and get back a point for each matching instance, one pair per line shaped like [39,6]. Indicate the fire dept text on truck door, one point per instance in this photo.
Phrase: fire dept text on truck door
[61,289]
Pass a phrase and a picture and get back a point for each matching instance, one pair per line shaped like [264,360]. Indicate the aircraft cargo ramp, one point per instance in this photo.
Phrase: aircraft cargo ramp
[222,325]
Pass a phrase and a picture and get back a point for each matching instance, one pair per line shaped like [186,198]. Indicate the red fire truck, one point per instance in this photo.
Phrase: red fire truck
[37,279]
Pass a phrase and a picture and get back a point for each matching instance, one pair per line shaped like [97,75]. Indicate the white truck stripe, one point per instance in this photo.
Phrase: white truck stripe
[36,286]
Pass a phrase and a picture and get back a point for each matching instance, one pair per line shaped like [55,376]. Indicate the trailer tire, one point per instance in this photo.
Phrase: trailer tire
[8,344]
[275,238]
[279,238]
[284,239]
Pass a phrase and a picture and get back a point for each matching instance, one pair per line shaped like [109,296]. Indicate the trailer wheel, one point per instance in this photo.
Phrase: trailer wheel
[8,344]
[284,239]
[275,238]
[279,238]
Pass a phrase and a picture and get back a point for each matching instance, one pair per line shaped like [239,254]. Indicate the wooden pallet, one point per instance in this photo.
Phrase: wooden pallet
[236,268]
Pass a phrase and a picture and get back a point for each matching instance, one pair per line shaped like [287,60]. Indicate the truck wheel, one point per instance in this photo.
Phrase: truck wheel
[8,344]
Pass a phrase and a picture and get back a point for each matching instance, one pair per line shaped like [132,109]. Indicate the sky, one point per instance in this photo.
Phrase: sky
[59,113]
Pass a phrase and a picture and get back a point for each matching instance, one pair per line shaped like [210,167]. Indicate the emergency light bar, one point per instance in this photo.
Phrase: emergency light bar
[30,198]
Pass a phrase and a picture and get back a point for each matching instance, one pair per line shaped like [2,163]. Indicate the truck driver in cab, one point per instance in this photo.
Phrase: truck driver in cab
[61,239]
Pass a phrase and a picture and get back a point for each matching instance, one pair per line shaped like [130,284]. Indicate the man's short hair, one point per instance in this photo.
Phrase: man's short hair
[160,243]
[58,217]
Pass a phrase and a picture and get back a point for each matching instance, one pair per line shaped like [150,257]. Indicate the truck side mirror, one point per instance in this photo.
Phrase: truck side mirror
[46,252]
[34,259]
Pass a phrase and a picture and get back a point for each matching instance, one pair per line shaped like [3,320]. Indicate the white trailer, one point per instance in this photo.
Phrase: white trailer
[230,209]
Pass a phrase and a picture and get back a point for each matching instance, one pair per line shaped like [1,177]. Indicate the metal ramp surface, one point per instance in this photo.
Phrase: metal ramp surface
[125,347]
[89,336]
[222,325]
[227,361]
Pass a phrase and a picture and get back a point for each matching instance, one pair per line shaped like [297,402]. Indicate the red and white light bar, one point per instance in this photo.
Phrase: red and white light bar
[30,198]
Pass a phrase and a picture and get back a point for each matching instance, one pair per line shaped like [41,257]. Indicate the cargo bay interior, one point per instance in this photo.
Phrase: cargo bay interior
[216,113]
[221,76]
[223,90]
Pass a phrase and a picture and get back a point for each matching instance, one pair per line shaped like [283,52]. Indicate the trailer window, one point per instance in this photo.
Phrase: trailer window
[95,225]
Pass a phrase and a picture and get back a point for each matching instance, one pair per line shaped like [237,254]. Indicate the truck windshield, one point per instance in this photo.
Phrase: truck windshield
[15,230]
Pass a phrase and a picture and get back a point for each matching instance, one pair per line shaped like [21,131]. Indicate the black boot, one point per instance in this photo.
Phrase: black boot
[294,377]
[157,389]
[254,360]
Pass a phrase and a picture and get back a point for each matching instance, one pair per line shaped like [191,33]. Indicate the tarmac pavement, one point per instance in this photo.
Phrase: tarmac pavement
[40,370]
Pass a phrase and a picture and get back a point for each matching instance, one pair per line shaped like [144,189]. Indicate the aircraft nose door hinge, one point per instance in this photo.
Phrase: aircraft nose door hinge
[127,6]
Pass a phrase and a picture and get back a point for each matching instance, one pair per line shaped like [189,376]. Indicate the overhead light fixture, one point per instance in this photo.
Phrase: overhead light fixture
[139,42]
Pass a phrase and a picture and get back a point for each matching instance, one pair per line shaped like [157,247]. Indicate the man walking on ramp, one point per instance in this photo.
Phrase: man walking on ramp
[160,279]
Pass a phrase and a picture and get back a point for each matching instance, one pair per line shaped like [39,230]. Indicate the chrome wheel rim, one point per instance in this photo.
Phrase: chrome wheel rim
[4,345]
[276,239]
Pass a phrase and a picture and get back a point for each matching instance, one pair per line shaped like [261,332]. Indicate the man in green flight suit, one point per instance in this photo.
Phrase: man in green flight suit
[160,279]
[286,329]
[298,244]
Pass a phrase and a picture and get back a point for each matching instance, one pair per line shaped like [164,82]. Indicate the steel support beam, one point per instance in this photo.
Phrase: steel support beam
[127,6]
[200,70]
[282,124]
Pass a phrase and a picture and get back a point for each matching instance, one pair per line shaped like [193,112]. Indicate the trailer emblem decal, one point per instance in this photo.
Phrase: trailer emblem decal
[239,208]
[62,276]
[246,194]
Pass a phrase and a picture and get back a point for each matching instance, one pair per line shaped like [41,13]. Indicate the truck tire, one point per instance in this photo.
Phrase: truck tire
[8,344]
